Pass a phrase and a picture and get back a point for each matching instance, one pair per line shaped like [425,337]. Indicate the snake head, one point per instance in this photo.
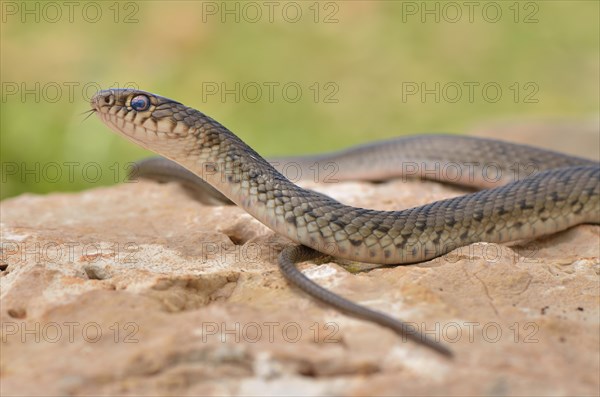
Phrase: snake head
[150,120]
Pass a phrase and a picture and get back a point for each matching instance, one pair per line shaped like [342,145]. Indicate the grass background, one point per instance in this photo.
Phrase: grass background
[368,51]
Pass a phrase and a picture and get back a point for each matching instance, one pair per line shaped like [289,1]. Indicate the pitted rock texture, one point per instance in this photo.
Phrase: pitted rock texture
[138,289]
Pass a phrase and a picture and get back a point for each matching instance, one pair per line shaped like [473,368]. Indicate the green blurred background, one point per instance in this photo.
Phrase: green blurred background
[354,62]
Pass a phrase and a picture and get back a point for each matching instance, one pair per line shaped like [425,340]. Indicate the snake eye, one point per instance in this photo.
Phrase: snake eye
[140,103]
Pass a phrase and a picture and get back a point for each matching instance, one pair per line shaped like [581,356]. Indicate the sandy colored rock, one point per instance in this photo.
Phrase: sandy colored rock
[137,289]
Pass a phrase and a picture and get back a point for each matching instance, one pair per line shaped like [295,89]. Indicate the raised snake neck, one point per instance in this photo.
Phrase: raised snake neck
[540,204]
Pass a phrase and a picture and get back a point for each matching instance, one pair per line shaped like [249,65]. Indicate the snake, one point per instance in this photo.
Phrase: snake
[527,192]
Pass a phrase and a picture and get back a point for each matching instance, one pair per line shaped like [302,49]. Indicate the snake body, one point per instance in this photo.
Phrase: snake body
[564,192]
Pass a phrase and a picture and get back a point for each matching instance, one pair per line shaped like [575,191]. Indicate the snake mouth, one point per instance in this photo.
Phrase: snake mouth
[139,134]
[125,128]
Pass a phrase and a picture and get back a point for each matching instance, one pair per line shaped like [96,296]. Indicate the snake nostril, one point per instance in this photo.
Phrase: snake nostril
[106,99]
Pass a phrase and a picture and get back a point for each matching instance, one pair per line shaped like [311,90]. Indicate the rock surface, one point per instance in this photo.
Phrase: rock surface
[138,289]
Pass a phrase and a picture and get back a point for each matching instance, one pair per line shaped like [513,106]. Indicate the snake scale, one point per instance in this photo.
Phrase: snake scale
[563,192]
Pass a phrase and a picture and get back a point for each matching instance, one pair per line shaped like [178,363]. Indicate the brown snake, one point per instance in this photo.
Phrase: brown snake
[564,193]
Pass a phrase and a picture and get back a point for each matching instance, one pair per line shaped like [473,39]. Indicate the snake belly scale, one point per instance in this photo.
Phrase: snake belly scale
[566,193]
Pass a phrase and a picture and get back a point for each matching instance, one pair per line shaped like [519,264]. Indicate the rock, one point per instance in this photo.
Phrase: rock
[137,289]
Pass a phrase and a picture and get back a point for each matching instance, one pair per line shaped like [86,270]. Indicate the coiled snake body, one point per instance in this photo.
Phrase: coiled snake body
[565,192]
